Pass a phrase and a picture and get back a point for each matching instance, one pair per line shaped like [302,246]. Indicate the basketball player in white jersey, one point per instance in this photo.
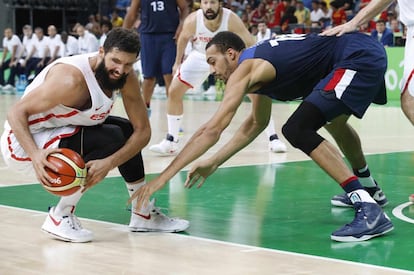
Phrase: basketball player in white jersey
[68,105]
[406,8]
[200,26]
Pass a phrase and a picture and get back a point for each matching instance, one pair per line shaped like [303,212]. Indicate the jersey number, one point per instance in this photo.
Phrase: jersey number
[157,6]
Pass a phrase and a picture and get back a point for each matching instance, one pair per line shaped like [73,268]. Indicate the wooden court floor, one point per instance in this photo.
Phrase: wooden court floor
[261,213]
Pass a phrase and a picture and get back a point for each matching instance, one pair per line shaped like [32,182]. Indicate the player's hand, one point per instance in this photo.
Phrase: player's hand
[97,171]
[39,162]
[199,172]
[341,29]
[144,193]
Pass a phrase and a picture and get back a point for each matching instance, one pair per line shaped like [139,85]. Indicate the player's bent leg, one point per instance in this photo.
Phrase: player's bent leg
[407,105]
[349,143]
[169,145]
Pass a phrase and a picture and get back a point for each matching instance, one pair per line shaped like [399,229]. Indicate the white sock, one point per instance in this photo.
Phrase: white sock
[174,124]
[270,129]
[66,204]
[132,187]
[360,195]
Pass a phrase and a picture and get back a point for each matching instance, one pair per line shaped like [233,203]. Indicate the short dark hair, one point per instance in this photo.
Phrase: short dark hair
[226,40]
[124,39]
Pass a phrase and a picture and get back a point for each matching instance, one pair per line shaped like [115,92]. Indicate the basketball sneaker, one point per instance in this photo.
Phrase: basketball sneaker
[155,221]
[165,148]
[369,222]
[277,146]
[66,228]
[375,192]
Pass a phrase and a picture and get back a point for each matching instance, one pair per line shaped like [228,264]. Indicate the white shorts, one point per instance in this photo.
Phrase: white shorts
[14,155]
[194,70]
[408,76]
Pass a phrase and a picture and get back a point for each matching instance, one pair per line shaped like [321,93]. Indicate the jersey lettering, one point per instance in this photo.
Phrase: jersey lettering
[286,37]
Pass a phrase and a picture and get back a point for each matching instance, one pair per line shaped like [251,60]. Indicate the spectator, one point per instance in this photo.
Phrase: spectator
[263,32]
[54,44]
[69,43]
[12,49]
[288,19]
[326,20]
[316,14]
[87,42]
[279,13]
[383,34]
[106,26]
[93,26]
[338,14]
[121,6]
[116,20]
[302,13]
[259,14]
[40,54]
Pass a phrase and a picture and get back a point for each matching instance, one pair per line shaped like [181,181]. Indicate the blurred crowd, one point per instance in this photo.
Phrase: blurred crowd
[34,48]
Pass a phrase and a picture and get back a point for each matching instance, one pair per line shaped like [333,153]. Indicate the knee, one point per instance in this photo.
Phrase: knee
[292,132]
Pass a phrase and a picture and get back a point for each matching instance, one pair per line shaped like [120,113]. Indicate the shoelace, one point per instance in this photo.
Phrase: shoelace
[73,221]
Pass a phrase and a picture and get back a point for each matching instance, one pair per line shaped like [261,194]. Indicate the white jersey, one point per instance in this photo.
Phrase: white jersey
[48,128]
[203,35]
[14,41]
[406,11]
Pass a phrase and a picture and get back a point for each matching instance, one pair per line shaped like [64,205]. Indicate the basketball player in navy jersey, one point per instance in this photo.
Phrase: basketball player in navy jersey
[336,76]
[161,23]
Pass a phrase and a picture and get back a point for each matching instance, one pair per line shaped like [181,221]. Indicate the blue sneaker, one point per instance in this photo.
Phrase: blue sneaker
[369,222]
[375,192]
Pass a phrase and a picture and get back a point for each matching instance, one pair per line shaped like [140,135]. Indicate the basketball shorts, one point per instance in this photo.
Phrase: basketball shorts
[157,54]
[194,70]
[14,155]
[408,76]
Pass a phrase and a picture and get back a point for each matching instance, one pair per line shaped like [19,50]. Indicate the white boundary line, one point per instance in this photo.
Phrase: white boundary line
[397,212]
[244,248]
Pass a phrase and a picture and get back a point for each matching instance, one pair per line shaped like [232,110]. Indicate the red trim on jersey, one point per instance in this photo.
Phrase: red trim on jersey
[343,184]
[336,78]
[408,82]
[49,116]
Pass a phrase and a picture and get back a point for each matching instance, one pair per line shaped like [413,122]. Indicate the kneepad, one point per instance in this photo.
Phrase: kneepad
[302,126]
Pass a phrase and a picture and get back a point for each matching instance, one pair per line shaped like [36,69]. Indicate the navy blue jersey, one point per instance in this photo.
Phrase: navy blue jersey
[159,16]
[303,61]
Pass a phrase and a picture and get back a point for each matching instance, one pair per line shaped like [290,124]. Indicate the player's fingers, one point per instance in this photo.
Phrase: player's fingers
[201,182]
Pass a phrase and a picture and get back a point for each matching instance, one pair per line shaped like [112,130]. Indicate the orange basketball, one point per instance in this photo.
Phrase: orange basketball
[70,175]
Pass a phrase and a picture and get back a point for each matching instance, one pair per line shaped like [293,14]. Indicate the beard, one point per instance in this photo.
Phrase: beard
[211,14]
[102,76]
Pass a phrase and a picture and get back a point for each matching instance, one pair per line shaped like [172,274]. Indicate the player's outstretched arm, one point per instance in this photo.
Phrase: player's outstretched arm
[362,17]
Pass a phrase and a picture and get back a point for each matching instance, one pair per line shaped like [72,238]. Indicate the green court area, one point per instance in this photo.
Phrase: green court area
[277,206]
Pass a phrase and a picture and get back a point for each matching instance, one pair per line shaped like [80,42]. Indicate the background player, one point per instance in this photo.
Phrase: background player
[161,23]
[199,27]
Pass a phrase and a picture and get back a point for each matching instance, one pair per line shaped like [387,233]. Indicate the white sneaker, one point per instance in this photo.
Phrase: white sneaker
[277,146]
[165,148]
[8,87]
[155,221]
[67,228]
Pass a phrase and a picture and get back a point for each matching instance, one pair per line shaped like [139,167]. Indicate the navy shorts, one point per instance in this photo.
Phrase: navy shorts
[157,54]
[356,81]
